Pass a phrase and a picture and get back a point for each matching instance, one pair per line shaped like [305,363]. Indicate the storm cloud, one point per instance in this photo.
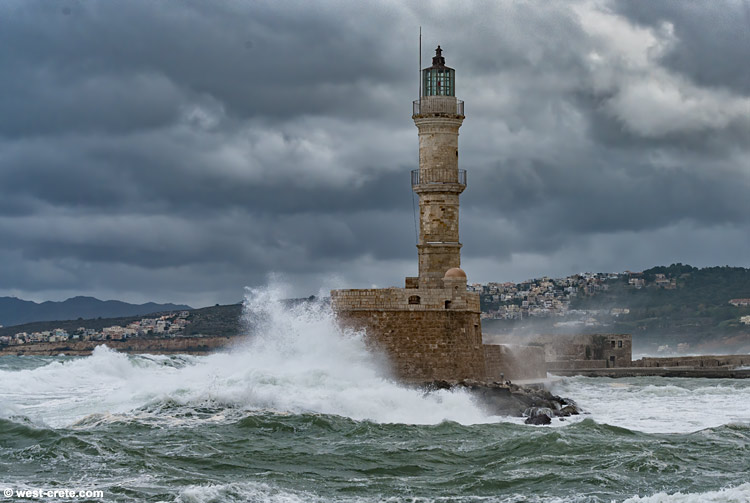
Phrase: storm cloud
[179,151]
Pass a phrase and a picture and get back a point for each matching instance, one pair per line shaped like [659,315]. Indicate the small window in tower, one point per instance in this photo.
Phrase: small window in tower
[619,344]
[613,343]
[447,304]
[414,299]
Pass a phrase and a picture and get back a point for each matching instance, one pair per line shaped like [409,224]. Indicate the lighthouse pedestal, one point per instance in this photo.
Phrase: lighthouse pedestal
[427,334]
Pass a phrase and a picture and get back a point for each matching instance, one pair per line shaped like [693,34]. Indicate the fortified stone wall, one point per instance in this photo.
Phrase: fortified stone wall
[707,361]
[514,363]
[411,299]
[423,345]
[424,341]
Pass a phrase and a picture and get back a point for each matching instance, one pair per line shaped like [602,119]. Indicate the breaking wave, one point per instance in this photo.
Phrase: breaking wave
[296,360]
[739,494]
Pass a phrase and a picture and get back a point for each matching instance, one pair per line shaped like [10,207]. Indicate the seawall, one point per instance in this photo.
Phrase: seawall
[694,361]
[713,373]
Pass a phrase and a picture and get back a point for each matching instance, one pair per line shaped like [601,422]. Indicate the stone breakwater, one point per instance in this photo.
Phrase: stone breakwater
[177,345]
[684,372]
[537,405]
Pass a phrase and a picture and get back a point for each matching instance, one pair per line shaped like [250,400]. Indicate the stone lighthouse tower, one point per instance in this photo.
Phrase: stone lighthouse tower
[438,181]
[431,328]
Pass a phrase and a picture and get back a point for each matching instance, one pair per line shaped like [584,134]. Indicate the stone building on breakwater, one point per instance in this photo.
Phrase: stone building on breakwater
[586,351]
[431,328]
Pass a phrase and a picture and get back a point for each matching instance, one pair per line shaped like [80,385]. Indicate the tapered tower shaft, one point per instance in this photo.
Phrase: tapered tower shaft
[438,115]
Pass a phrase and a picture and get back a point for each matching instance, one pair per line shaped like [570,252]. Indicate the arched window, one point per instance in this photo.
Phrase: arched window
[414,299]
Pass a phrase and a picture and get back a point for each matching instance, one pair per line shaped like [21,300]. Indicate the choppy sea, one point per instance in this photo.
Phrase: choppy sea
[302,412]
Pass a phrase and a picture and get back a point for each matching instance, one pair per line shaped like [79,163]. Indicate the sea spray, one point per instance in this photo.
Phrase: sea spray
[294,360]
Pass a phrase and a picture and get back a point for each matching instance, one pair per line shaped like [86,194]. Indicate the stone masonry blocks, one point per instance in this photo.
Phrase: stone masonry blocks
[438,196]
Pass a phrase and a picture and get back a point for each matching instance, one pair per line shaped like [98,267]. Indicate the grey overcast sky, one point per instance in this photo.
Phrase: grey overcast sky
[181,150]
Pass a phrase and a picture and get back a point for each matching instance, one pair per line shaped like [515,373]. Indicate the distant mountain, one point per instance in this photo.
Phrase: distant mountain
[15,311]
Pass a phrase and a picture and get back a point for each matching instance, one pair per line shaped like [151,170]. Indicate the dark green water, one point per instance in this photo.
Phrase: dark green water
[303,413]
[310,457]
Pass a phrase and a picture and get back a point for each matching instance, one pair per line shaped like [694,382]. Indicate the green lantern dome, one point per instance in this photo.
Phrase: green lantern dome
[438,80]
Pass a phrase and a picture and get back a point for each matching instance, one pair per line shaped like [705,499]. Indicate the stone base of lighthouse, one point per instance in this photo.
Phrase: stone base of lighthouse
[427,334]
[433,334]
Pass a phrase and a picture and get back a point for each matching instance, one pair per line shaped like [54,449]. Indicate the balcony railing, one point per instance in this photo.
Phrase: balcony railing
[438,176]
[438,105]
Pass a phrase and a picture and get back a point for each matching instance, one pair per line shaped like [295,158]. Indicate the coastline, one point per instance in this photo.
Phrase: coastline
[709,373]
[161,346]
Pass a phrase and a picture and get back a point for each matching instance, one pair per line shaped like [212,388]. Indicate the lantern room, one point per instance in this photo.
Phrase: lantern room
[438,80]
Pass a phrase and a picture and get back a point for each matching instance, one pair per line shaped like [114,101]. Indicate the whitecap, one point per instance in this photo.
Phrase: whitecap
[738,494]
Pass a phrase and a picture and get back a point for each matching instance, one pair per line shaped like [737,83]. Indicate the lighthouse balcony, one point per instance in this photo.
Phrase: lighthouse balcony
[436,176]
[438,105]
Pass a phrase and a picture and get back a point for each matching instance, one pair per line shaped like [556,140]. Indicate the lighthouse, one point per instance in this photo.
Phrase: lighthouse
[438,115]
[430,329]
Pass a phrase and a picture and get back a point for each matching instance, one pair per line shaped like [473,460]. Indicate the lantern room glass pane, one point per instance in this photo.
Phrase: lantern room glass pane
[438,82]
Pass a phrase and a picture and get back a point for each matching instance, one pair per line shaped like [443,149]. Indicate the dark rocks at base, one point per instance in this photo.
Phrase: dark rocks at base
[538,419]
[570,410]
[538,405]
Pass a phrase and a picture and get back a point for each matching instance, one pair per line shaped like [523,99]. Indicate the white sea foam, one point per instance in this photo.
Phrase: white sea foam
[739,494]
[296,361]
[266,493]
[658,404]
[241,492]
[261,492]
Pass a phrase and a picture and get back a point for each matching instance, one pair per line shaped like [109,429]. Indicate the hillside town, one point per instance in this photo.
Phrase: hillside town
[167,325]
[564,301]
[547,297]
